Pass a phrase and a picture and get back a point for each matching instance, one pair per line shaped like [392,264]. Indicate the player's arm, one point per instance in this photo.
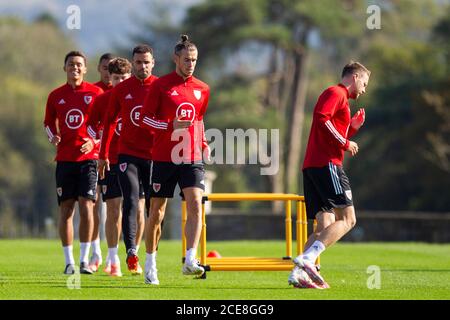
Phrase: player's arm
[325,110]
[149,117]
[205,147]
[109,124]
[92,126]
[93,123]
[50,122]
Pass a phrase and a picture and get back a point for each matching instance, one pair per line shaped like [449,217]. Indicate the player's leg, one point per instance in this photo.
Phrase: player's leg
[315,209]
[336,195]
[144,169]
[87,186]
[324,219]
[86,208]
[334,188]
[152,236]
[162,186]
[65,227]
[113,225]
[345,221]
[66,194]
[192,184]
[129,184]
[96,258]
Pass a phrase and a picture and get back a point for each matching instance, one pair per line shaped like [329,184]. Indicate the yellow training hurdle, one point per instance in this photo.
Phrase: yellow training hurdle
[253,263]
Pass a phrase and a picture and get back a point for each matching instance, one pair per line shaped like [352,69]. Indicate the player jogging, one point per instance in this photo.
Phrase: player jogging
[105,83]
[174,110]
[328,195]
[135,145]
[120,70]
[66,114]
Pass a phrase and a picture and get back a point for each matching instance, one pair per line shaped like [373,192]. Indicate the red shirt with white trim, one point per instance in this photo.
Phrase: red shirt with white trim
[328,138]
[126,103]
[105,87]
[70,108]
[95,125]
[171,96]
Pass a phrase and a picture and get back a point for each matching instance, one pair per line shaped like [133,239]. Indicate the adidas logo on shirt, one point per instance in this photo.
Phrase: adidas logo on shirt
[61,101]
[174,93]
[128,97]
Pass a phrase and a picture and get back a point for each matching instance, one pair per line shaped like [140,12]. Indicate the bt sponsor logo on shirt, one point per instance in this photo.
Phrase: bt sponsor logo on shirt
[135,114]
[118,128]
[186,111]
[74,119]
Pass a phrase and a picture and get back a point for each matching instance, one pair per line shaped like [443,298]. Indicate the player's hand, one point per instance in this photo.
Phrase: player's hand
[358,119]
[55,140]
[87,146]
[102,165]
[181,124]
[353,148]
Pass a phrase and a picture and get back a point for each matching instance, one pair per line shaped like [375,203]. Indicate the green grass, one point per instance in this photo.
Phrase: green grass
[32,269]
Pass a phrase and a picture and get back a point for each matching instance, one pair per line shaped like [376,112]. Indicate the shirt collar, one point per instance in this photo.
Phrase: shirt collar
[345,88]
[181,79]
[147,80]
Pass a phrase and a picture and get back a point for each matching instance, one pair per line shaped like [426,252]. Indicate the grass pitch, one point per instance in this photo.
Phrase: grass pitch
[32,269]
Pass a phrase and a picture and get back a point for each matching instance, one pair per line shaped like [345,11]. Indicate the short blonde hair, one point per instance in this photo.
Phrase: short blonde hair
[354,67]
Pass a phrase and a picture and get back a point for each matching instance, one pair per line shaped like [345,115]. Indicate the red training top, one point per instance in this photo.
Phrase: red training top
[95,125]
[125,103]
[70,107]
[105,87]
[169,97]
[328,138]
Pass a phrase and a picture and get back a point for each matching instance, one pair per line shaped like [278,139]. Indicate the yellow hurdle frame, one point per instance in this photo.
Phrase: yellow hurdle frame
[252,263]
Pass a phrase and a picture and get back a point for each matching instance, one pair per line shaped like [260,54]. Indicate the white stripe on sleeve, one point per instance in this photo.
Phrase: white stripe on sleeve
[49,133]
[335,133]
[155,124]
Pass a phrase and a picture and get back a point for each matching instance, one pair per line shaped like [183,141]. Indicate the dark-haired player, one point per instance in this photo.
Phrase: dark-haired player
[135,146]
[66,114]
[106,84]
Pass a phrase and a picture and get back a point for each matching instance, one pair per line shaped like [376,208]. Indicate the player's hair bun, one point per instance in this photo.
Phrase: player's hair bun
[184,38]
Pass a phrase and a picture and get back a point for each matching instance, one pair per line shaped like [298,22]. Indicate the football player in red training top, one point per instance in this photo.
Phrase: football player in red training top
[120,70]
[174,110]
[327,190]
[76,157]
[135,146]
[106,84]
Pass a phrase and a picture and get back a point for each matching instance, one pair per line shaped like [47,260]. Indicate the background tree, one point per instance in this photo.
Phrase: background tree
[30,70]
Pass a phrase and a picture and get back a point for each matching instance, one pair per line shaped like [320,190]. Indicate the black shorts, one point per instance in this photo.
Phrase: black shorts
[76,179]
[326,188]
[165,176]
[110,186]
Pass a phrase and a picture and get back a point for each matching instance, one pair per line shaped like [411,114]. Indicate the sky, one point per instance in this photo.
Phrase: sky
[102,23]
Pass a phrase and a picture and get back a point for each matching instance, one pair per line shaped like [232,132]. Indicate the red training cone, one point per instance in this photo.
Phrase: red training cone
[214,254]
